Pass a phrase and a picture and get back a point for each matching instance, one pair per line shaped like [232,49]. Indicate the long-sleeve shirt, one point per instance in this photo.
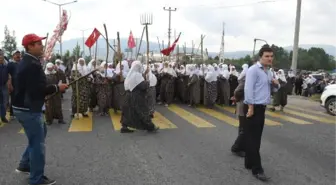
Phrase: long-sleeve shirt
[258,84]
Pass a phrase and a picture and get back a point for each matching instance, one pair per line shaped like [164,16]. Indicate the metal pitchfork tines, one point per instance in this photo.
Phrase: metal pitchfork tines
[146,19]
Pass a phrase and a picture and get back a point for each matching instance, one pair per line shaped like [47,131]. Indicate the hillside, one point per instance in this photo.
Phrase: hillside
[70,44]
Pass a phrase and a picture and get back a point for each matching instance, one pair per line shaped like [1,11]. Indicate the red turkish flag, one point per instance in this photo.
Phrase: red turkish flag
[92,38]
[131,42]
[167,51]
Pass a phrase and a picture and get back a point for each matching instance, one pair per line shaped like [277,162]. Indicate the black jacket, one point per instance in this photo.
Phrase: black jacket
[31,85]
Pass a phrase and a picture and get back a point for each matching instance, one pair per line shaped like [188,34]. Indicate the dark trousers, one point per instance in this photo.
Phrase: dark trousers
[253,132]
[10,105]
[238,145]
[298,90]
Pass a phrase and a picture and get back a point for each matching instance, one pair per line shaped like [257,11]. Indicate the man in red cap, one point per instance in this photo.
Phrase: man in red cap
[29,94]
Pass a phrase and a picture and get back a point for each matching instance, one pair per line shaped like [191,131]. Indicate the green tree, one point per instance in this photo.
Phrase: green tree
[9,43]
[76,51]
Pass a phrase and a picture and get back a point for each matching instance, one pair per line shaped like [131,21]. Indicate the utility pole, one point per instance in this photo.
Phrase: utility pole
[296,36]
[221,52]
[169,25]
[202,56]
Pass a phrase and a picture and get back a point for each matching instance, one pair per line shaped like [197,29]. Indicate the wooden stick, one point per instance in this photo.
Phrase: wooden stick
[71,83]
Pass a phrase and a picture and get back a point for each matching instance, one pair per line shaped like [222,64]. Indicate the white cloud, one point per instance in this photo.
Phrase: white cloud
[273,22]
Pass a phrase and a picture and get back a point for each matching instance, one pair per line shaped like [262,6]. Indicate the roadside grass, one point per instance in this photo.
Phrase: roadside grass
[315,97]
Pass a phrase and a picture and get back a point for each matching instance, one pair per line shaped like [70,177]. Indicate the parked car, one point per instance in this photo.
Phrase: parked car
[328,99]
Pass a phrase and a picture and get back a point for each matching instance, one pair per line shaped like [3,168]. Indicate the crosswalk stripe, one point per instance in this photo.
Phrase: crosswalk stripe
[267,121]
[287,118]
[82,124]
[115,117]
[219,116]
[307,110]
[315,118]
[162,122]
[158,120]
[189,117]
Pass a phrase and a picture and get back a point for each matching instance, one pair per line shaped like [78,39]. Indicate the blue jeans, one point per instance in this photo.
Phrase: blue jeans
[34,156]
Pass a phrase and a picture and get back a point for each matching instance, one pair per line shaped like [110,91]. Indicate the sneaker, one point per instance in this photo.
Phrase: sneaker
[22,170]
[4,120]
[45,181]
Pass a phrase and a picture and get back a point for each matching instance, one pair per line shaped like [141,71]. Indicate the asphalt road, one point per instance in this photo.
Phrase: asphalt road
[297,149]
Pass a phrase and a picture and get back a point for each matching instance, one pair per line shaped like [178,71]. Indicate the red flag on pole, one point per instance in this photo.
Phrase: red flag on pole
[168,50]
[131,42]
[92,38]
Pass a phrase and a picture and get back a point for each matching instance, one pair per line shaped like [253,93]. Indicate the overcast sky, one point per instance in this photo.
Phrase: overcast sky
[273,21]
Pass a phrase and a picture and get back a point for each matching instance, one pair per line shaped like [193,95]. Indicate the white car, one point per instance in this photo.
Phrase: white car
[328,99]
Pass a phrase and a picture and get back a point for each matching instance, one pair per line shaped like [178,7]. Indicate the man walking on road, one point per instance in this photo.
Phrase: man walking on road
[257,94]
[30,91]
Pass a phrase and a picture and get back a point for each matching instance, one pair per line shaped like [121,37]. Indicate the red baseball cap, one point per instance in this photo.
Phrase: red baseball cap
[30,38]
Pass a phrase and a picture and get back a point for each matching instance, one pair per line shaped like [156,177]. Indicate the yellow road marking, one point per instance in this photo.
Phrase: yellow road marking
[162,122]
[82,124]
[315,118]
[158,120]
[220,116]
[115,117]
[267,121]
[287,118]
[307,110]
[189,117]
[21,131]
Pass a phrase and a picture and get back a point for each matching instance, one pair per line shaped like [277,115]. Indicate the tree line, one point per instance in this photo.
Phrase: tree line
[308,59]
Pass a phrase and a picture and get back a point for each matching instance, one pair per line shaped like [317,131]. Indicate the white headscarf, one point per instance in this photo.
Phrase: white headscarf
[151,77]
[211,75]
[291,74]
[47,70]
[225,72]
[243,73]
[125,68]
[281,75]
[233,71]
[82,69]
[59,64]
[134,76]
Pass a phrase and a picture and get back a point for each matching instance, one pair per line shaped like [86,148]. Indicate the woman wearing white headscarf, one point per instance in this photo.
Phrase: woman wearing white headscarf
[290,82]
[182,83]
[280,97]
[101,79]
[210,87]
[167,88]
[118,90]
[53,107]
[135,110]
[194,86]
[83,88]
[224,86]
[151,95]
[233,81]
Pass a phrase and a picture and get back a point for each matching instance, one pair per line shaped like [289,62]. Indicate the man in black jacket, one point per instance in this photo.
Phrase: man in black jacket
[30,91]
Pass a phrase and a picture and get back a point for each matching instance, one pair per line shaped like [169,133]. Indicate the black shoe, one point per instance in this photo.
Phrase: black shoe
[261,176]
[155,129]
[23,170]
[239,153]
[4,120]
[61,122]
[46,181]
[126,130]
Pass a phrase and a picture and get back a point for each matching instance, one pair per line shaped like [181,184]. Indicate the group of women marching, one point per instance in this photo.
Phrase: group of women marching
[135,89]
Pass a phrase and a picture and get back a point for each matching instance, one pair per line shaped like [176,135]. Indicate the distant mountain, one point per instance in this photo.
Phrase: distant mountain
[154,46]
